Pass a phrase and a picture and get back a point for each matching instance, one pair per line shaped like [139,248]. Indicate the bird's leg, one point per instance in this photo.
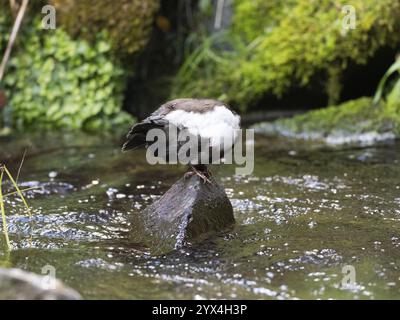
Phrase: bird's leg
[202,175]
[202,172]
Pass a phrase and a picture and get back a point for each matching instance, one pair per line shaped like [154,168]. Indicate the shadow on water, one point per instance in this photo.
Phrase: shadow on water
[304,214]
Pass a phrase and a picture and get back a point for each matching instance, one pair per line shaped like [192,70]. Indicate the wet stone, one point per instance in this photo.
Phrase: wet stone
[188,212]
[16,284]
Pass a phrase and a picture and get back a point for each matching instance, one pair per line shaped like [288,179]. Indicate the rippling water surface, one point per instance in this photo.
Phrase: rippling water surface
[307,216]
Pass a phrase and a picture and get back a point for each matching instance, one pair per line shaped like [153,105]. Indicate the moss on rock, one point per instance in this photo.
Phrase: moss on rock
[352,121]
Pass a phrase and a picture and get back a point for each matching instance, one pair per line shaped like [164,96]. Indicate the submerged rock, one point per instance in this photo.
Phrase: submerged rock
[16,284]
[188,212]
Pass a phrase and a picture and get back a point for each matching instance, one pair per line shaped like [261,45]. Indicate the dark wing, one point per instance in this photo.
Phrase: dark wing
[136,137]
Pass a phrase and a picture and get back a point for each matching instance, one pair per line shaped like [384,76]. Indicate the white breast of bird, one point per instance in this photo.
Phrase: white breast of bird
[217,125]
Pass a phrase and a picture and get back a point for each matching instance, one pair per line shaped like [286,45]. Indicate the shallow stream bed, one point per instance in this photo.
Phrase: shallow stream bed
[308,220]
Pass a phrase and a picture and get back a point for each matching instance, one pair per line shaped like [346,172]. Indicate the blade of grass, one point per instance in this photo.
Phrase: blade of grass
[18,190]
[379,91]
[20,165]
[3,213]
[22,190]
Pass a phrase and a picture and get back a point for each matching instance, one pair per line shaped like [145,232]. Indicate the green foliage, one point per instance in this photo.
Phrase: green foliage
[197,75]
[256,17]
[287,46]
[4,170]
[394,69]
[381,114]
[56,82]
[128,22]
[392,110]
[392,99]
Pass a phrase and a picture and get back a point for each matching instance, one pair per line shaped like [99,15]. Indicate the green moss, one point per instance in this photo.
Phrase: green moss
[353,117]
[255,17]
[391,111]
[128,22]
[350,119]
[287,47]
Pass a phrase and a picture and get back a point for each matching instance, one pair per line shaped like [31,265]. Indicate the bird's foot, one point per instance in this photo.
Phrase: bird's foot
[202,175]
[188,174]
[208,173]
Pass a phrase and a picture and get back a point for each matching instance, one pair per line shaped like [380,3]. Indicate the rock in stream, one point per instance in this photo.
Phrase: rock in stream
[188,212]
[16,284]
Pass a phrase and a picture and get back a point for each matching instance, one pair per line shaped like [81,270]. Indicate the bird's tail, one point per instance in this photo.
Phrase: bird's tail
[136,137]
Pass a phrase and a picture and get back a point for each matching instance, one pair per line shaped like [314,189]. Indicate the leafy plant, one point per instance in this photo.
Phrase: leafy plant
[395,94]
[56,82]
[389,92]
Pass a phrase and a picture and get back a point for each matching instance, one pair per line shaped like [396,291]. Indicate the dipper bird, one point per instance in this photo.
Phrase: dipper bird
[206,120]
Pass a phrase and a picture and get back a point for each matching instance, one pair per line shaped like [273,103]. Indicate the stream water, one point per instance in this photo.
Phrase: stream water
[308,220]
